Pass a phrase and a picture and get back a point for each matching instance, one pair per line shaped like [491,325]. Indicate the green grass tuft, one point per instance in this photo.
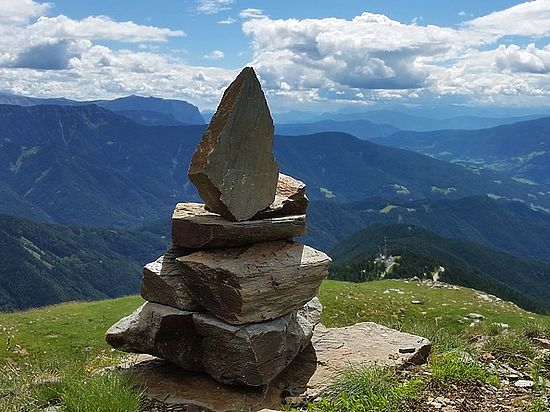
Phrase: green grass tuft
[457,366]
[90,393]
[540,404]
[513,348]
[369,389]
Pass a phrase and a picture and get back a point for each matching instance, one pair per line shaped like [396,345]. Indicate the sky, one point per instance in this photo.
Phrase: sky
[313,55]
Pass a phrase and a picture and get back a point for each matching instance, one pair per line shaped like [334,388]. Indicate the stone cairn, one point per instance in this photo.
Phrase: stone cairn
[234,296]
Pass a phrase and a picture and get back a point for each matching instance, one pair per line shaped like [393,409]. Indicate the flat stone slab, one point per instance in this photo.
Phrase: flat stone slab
[255,283]
[331,351]
[233,167]
[195,227]
[197,341]
[162,281]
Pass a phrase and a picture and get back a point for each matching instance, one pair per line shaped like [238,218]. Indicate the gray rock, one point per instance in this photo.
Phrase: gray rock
[255,283]
[233,167]
[331,352]
[334,350]
[523,383]
[162,282]
[195,227]
[290,199]
[197,341]
[160,331]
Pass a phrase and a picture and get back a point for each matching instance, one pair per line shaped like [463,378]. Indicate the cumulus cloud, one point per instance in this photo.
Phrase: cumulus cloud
[370,51]
[301,62]
[21,11]
[213,6]
[47,56]
[528,60]
[214,55]
[60,56]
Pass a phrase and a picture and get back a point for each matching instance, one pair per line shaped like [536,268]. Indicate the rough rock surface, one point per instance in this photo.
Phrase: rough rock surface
[255,283]
[162,282]
[338,348]
[197,341]
[233,167]
[305,377]
[195,227]
[290,199]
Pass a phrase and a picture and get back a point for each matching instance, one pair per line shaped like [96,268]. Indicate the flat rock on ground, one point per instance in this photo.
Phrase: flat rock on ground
[162,281]
[195,227]
[233,167]
[255,283]
[331,351]
[198,341]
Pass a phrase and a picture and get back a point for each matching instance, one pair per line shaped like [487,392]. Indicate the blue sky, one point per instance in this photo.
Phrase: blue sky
[309,55]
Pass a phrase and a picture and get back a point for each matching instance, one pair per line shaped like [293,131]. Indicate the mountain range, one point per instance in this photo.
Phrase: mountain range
[88,165]
[122,166]
[406,119]
[361,128]
[509,226]
[45,264]
[520,150]
[144,110]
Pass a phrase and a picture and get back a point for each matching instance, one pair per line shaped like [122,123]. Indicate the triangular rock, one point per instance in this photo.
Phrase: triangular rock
[233,167]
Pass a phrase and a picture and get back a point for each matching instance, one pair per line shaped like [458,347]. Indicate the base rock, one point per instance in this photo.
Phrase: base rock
[198,341]
[331,351]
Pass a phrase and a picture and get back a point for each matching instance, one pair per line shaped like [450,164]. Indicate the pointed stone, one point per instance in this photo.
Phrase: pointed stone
[255,283]
[233,167]
[195,227]
[251,355]
[162,281]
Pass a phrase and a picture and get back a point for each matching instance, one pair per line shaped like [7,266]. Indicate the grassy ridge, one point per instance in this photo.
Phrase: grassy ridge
[76,330]
[47,354]
[520,280]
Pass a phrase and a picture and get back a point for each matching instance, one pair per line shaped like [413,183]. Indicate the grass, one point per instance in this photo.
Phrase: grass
[512,348]
[456,366]
[62,344]
[30,388]
[389,302]
[369,389]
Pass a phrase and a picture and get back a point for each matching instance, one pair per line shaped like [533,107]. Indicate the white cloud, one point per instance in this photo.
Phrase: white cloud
[369,52]
[531,18]
[59,56]
[213,6]
[252,14]
[21,11]
[214,55]
[528,60]
[301,63]
[229,20]
[100,27]
[462,13]
[371,58]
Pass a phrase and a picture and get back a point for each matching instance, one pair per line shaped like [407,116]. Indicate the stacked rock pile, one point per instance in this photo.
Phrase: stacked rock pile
[235,295]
